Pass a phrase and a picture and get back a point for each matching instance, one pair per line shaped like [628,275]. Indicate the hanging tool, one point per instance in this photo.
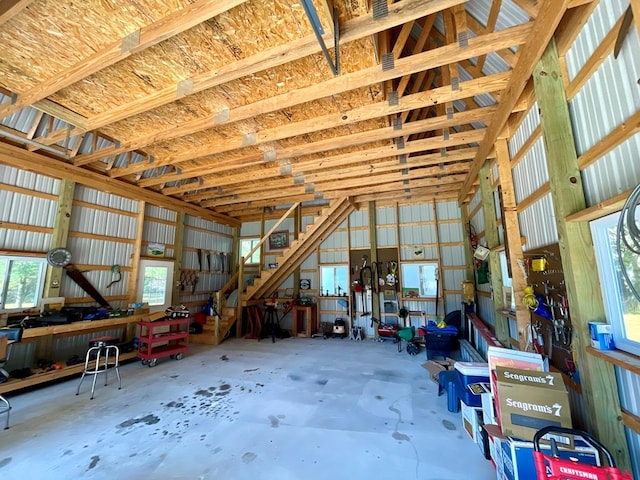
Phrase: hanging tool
[200,259]
[437,276]
[625,26]
[115,269]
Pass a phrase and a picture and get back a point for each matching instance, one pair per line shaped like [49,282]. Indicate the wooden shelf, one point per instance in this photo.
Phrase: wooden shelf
[78,327]
[599,210]
[41,376]
[617,357]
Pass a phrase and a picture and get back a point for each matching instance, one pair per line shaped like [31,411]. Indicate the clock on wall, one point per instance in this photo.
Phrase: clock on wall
[305,284]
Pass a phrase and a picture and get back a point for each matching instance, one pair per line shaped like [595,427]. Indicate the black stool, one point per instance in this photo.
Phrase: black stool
[271,320]
[97,361]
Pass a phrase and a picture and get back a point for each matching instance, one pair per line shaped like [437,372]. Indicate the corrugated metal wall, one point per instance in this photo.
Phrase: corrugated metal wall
[607,100]
[89,243]
[27,210]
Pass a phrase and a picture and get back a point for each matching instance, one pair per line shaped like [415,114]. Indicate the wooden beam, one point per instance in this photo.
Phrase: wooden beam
[357,28]
[404,66]
[493,241]
[19,158]
[368,112]
[10,8]
[551,12]
[132,287]
[601,209]
[511,227]
[621,133]
[178,251]
[60,235]
[598,380]
[179,21]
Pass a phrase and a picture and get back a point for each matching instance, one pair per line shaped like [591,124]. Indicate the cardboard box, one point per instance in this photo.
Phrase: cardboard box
[434,367]
[529,400]
[471,420]
[601,336]
[513,359]
[518,463]
[488,409]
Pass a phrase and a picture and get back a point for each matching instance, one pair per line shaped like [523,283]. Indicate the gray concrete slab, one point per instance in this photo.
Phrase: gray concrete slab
[294,409]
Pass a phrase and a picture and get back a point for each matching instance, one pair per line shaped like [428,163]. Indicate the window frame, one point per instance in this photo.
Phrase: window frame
[258,252]
[168,292]
[344,289]
[606,258]
[39,289]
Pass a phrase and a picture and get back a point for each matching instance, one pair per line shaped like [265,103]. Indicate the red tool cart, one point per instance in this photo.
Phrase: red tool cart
[168,337]
[550,467]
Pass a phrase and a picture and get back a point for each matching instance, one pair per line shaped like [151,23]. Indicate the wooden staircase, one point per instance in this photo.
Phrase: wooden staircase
[291,258]
[216,328]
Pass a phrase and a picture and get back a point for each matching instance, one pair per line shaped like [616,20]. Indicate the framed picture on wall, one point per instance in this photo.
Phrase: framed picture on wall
[279,240]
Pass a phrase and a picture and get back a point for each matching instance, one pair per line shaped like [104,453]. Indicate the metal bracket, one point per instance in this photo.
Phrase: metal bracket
[130,42]
[184,87]
[393,98]
[388,62]
[221,116]
[312,15]
[380,9]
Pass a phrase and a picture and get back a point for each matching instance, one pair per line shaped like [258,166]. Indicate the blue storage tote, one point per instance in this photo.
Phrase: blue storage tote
[468,373]
[439,341]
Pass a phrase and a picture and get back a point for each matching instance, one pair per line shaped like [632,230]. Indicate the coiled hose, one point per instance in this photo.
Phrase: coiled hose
[628,232]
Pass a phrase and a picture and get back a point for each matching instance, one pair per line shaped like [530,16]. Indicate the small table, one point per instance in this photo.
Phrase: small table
[307,317]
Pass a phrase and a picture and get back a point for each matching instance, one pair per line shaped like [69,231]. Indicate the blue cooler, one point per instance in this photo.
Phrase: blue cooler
[468,373]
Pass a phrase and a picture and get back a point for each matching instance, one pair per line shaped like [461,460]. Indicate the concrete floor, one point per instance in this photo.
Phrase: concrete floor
[297,409]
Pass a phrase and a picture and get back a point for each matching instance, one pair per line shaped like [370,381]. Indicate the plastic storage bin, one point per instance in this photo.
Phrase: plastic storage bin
[439,341]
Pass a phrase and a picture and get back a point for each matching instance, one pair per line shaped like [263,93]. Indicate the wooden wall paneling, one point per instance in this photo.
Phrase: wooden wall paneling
[603,414]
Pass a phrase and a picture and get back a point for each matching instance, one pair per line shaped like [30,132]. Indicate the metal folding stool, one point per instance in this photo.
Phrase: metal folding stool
[97,362]
[14,335]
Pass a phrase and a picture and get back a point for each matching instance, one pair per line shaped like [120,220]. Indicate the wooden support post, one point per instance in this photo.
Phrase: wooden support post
[373,257]
[468,251]
[297,228]
[441,286]
[240,299]
[600,392]
[178,250]
[132,288]
[512,239]
[491,236]
[59,236]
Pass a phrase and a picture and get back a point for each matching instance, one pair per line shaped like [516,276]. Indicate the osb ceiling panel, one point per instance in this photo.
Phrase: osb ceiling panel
[199,104]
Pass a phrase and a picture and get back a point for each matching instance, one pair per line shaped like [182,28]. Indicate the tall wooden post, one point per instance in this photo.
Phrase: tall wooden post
[512,237]
[491,236]
[373,257]
[600,393]
[132,289]
[178,250]
[60,235]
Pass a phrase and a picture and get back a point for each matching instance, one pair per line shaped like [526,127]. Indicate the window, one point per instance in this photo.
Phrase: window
[420,279]
[155,284]
[622,308]
[246,245]
[334,280]
[21,282]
